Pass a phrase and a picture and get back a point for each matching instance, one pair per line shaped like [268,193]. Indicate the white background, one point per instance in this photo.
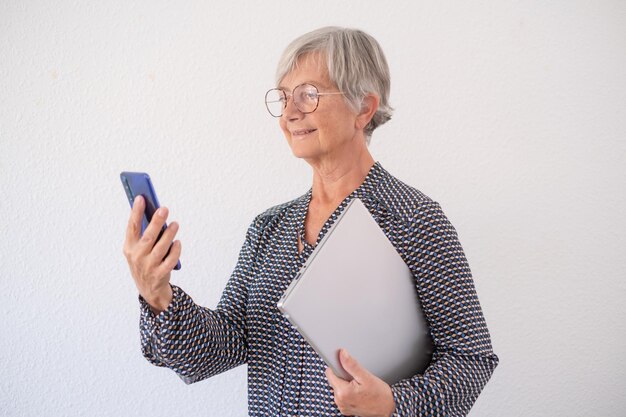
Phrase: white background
[511,114]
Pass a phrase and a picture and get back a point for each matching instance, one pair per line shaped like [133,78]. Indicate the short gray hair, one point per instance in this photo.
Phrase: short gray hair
[355,62]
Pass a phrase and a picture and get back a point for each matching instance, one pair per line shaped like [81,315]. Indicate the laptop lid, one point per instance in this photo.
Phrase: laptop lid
[356,292]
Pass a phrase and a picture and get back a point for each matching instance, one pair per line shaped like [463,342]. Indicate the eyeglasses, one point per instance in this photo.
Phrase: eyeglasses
[306,98]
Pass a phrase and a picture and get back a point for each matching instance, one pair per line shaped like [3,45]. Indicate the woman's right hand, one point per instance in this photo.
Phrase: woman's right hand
[148,264]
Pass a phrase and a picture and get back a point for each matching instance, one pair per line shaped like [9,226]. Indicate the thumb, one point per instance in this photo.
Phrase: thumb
[353,367]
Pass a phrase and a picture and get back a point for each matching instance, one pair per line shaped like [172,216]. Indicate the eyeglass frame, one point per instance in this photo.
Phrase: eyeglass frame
[290,95]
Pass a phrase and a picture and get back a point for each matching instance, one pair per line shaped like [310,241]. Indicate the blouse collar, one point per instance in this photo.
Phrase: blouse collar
[364,191]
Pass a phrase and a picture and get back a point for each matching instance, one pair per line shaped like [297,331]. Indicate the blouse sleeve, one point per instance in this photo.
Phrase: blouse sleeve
[197,342]
[463,359]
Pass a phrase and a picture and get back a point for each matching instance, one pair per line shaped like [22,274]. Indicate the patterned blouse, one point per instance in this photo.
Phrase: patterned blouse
[285,375]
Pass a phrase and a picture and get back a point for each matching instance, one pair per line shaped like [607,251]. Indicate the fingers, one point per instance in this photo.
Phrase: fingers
[163,244]
[342,392]
[353,367]
[334,381]
[370,396]
[172,258]
[149,265]
[133,230]
[151,233]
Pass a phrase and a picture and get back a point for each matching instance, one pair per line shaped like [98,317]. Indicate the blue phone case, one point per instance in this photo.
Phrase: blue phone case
[139,183]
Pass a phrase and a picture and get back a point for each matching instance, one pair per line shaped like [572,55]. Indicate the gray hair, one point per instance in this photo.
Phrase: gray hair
[356,64]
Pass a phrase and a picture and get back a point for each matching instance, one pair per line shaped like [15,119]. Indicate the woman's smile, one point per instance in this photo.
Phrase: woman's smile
[301,133]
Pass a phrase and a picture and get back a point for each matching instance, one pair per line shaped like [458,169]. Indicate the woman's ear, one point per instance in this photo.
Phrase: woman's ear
[369,106]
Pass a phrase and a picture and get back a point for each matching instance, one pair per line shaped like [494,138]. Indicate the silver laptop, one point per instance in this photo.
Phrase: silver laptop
[356,292]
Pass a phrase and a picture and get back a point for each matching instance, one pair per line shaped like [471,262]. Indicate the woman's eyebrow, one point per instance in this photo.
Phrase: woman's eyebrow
[317,84]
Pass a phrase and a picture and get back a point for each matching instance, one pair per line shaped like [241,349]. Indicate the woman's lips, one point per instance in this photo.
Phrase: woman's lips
[302,132]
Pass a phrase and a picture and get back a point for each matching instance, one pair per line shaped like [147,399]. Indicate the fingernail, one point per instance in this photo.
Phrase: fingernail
[138,200]
[161,212]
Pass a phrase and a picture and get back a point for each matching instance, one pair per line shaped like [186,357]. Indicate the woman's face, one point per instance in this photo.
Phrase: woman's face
[331,128]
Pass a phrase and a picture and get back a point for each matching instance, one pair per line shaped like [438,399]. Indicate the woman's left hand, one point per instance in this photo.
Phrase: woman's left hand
[365,396]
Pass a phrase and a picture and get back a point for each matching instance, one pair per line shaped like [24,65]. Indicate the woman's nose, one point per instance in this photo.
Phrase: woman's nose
[291,112]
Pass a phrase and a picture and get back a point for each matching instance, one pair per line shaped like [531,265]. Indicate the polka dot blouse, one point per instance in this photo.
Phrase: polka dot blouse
[285,375]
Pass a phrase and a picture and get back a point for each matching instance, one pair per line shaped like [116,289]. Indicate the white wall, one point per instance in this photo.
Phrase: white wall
[511,114]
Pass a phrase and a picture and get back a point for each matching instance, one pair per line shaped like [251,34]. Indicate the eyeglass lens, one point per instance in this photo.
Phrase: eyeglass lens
[305,97]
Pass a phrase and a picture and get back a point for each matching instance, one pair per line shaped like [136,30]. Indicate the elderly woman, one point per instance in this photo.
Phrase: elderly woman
[332,92]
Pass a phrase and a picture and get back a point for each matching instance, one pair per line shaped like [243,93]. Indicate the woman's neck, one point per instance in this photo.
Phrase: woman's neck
[334,179]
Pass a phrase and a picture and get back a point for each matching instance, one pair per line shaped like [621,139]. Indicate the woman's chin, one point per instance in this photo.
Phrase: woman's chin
[302,149]
[301,153]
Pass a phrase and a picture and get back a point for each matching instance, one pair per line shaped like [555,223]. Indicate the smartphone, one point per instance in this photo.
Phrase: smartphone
[139,183]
